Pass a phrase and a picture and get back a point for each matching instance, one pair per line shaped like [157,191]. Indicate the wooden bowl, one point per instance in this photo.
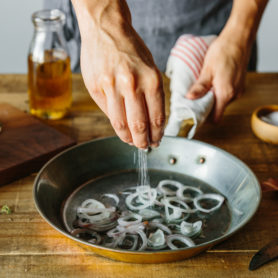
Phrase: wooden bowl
[263,130]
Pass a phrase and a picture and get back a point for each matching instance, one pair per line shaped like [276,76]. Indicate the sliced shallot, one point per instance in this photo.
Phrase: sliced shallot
[94,210]
[216,197]
[162,187]
[96,238]
[183,206]
[176,237]
[127,238]
[148,214]
[180,192]
[95,207]
[175,215]
[160,226]
[159,212]
[144,240]
[127,220]
[112,196]
[157,239]
[144,203]
[191,229]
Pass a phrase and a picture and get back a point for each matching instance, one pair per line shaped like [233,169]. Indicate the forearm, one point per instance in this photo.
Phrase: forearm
[104,14]
[243,23]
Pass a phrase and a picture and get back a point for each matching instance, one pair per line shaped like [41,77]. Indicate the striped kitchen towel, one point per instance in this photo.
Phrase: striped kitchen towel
[183,68]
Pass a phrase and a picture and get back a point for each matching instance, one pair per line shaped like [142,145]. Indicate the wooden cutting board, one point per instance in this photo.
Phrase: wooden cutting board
[26,143]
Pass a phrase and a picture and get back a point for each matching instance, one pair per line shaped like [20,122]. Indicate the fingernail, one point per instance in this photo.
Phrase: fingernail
[155,144]
[194,96]
[131,144]
[189,96]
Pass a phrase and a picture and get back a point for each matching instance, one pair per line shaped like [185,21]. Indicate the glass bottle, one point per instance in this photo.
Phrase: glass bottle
[49,73]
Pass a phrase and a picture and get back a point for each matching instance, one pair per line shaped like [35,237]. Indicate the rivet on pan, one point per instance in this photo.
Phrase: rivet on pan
[172,160]
[201,160]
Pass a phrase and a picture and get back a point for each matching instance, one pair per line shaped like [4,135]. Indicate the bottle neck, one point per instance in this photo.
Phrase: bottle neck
[48,20]
[48,39]
[48,28]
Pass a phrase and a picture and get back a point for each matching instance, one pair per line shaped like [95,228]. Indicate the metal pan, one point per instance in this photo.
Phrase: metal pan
[108,165]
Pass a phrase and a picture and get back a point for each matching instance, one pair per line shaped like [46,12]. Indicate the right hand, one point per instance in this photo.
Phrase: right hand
[121,77]
[223,73]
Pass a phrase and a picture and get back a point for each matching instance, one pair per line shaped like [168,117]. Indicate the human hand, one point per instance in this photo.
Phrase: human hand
[121,77]
[223,71]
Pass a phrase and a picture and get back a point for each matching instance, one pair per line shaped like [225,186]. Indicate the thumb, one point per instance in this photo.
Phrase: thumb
[202,85]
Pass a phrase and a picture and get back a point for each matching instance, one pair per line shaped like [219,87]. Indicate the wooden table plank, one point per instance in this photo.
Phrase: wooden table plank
[29,247]
[207,265]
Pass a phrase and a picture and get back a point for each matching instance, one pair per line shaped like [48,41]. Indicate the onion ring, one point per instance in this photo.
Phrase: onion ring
[211,196]
[125,220]
[148,214]
[157,239]
[184,239]
[176,214]
[144,240]
[133,196]
[89,210]
[135,241]
[112,196]
[160,226]
[131,189]
[116,240]
[94,205]
[114,232]
[146,194]
[96,238]
[191,229]
[180,192]
[161,187]
[186,209]
[98,226]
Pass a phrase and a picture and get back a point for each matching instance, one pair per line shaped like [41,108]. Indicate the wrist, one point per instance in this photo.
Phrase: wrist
[104,14]
[238,36]
[243,22]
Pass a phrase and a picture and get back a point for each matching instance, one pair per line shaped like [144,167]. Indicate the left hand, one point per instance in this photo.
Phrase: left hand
[223,71]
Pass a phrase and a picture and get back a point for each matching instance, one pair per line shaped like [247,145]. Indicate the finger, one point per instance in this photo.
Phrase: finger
[155,104]
[156,113]
[137,119]
[224,93]
[97,94]
[99,98]
[201,86]
[116,114]
[219,107]
[241,87]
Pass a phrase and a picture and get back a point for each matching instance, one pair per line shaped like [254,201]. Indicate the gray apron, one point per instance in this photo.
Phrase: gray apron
[158,22]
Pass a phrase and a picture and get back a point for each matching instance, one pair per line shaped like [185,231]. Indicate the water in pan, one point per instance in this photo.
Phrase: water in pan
[214,226]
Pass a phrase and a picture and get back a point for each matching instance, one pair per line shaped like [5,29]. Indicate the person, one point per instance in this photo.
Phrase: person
[120,71]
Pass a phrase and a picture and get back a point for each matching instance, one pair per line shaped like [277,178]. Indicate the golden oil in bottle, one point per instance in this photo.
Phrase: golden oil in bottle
[49,72]
[49,85]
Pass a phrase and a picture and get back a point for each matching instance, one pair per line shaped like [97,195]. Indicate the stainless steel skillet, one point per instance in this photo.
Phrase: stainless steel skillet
[107,165]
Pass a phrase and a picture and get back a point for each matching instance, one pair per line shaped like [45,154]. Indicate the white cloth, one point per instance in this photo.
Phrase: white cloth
[183,68]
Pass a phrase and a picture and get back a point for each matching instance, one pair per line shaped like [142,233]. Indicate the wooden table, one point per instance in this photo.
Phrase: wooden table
[29,247]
